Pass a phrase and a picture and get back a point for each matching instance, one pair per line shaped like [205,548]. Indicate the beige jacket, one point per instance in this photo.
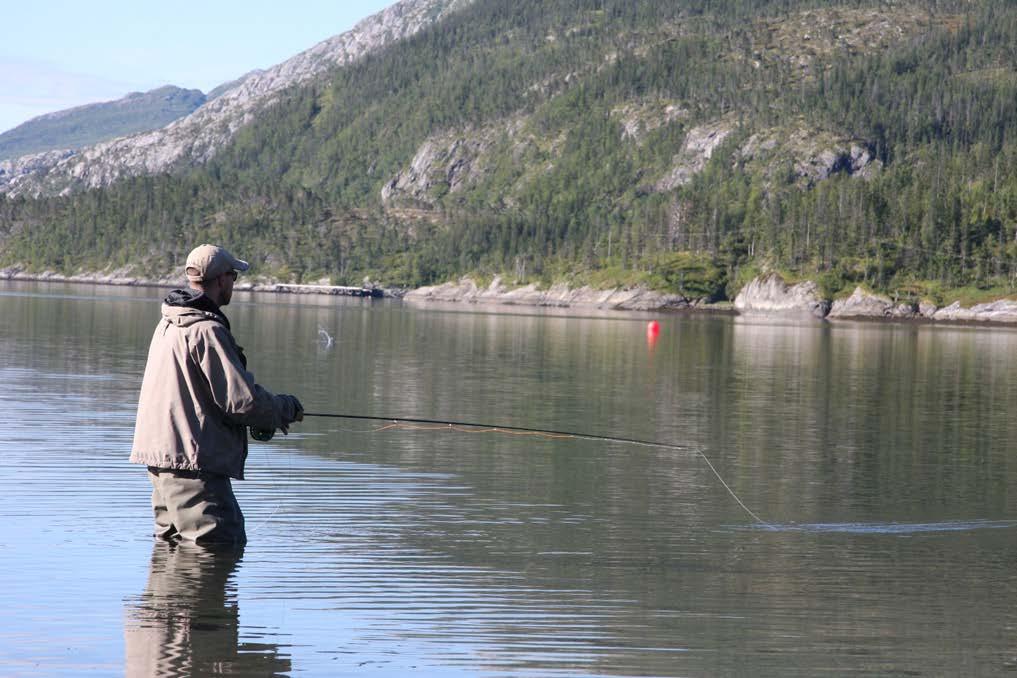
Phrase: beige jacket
[197,397]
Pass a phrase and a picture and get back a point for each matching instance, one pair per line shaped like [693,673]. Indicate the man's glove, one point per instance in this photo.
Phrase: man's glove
[298,413]
[298,409]
[293,411]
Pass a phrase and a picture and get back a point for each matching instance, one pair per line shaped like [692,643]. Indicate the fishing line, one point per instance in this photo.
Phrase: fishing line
[407,424]
[272,474]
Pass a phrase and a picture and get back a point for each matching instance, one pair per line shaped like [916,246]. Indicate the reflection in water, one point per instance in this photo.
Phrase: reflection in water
[885,453]
[863,422]
[186,623]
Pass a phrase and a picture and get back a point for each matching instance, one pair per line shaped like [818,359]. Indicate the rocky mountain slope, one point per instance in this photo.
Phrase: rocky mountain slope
[195,138]
[600,144]
[94,123]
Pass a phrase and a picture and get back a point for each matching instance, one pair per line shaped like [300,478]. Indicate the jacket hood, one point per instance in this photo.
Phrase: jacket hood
[186,307]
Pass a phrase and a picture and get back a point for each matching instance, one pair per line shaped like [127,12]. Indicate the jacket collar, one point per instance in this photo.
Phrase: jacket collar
[183,303]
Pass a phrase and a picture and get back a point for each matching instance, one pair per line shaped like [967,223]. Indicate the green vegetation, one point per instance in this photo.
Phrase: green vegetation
[93,123]
[556,189]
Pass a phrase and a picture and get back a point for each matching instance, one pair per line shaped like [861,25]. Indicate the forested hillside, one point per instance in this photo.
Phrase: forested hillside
[683,145]
[92,123]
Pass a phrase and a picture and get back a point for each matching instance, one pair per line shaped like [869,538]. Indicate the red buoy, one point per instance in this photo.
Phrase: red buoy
[653,329]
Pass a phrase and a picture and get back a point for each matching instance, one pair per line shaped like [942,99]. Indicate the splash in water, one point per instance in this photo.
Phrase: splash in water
[325,340]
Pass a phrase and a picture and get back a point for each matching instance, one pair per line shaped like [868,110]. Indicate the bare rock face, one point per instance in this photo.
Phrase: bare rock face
[862,304]
[36,164]
[770,294]
[700,143]
[196,138]
[843,158]
[813,155]
[557,296]
[443,164]
[640,118]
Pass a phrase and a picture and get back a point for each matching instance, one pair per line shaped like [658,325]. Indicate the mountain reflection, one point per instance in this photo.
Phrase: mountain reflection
[186,622]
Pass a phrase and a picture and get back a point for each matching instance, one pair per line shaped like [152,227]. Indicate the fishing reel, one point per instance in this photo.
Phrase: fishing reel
[262,435]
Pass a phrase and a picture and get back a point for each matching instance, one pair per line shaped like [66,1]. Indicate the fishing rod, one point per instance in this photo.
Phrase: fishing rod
[494,428]
[407,423]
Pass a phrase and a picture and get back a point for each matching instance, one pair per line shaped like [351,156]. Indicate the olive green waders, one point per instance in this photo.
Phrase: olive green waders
[196,506]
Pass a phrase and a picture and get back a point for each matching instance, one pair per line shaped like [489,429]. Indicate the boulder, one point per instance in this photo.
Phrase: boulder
[770,294]
[862,304]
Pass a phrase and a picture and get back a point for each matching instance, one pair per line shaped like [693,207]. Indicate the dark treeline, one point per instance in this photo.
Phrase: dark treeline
[560,190]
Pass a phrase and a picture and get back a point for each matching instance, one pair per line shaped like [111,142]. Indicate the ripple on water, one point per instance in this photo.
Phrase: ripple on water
[431,554]
[888,528]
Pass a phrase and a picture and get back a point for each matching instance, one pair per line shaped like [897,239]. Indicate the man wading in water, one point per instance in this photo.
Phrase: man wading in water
[197,398]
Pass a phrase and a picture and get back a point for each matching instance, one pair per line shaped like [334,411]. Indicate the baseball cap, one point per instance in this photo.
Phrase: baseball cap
[206,262]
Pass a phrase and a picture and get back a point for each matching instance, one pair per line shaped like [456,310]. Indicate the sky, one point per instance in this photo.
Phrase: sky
[56,54]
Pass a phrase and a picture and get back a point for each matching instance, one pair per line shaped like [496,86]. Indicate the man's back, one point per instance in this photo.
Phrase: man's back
[197,400]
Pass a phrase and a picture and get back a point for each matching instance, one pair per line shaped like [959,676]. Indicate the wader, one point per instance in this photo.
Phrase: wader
[196,506]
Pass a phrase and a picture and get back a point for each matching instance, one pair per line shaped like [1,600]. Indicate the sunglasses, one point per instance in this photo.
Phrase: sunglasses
[232,274]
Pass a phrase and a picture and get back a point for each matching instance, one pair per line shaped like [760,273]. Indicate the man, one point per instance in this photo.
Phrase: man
[197,398]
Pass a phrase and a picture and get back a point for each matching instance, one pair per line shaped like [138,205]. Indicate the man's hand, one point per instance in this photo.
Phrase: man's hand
[298,410]
[298,413]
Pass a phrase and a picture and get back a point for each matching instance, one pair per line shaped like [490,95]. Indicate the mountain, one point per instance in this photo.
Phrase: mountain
[227,86]
[682,146]
[196,138]
[93,123]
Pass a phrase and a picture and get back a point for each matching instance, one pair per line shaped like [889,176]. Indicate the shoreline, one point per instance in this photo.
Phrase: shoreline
[258,286]
[562,298]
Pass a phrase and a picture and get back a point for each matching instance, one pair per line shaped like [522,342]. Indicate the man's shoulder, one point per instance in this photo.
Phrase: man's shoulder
[211,329]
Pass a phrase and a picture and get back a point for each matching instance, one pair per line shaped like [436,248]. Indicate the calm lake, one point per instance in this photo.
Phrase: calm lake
[882,459]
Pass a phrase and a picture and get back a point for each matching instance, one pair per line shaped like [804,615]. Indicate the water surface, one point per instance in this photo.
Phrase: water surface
[880,459]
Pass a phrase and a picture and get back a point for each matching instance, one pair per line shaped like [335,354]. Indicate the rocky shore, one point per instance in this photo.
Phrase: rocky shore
[122,279]
[767,295]
[557,296]
[116,277]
